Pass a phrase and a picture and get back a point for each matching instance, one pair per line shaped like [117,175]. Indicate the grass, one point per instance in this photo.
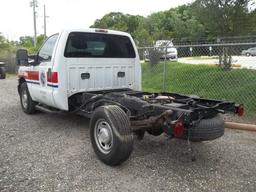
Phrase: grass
[237,85]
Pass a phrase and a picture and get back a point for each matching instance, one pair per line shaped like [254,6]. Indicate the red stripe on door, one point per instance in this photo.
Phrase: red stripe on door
[53,78]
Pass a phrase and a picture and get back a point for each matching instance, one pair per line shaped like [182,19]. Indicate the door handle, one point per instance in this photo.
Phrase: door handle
[85,76]
[121,74]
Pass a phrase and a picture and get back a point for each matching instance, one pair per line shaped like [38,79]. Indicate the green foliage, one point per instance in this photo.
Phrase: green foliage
[201,19]
[6,47]
[174,23]
[225,17]
[27,42]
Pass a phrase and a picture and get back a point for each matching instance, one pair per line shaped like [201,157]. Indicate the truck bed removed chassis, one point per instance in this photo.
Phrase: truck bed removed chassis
[149,111]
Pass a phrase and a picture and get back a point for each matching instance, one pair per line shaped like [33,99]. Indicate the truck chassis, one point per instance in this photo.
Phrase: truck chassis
[117,115]
[178,116]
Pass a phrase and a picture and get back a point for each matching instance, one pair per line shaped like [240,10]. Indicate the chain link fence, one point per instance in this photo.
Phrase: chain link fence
[217,71]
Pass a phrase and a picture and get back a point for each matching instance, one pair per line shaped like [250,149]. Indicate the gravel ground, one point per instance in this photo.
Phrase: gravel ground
[45,152]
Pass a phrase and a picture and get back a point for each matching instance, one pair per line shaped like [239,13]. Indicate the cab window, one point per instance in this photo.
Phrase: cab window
[97,45]
[45,53]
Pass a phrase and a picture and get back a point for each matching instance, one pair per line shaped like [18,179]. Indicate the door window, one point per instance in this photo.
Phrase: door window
[45,53]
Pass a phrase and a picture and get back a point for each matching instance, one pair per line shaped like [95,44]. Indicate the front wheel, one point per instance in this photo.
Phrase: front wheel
[111,135]
[27,104]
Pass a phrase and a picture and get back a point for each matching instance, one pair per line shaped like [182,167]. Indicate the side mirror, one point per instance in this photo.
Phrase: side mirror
[22,57]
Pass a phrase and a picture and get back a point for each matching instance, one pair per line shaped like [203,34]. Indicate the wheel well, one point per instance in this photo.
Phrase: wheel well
[21,80]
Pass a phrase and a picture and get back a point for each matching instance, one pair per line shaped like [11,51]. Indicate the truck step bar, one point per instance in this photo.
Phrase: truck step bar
[47,109]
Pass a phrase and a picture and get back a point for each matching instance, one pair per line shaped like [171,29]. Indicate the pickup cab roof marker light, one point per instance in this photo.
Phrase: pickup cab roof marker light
[101,30]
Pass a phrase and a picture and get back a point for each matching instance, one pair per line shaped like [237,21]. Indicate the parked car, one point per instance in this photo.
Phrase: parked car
[166,50]
[2,70]
[249,52]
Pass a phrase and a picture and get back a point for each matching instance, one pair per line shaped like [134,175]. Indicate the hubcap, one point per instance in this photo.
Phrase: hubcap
[24,98]
[103,136]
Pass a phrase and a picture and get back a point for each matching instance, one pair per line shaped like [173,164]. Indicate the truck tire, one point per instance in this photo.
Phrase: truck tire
[207,129]
[27,104]
[2,73]
[111,135]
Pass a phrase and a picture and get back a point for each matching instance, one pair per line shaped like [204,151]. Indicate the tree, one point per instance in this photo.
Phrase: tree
[5,46]
[119,21]
[122,22]
[27,43]
[223,17]
[175,23]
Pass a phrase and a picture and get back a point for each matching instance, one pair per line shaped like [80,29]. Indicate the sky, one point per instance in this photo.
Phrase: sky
[16,16]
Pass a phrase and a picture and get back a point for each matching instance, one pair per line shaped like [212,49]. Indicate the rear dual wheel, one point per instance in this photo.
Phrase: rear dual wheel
[111,135]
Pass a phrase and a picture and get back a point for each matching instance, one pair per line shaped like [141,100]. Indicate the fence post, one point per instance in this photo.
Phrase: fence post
[164,79]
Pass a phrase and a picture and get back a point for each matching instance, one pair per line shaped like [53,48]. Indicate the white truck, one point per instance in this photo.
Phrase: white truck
[96,73]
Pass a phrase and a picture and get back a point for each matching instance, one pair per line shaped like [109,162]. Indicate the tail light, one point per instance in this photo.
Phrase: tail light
[239,110]
[178,128]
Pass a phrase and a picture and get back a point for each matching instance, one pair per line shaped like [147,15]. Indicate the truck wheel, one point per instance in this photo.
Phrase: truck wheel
[207,129]
[111,135]
[27,104]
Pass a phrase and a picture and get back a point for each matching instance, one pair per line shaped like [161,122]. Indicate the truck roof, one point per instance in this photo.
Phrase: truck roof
[97,30]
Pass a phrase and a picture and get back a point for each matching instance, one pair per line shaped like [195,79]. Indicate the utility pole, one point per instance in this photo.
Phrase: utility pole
[44,23]
[34,4]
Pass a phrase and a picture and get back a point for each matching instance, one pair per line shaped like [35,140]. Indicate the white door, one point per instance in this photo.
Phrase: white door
[43,92]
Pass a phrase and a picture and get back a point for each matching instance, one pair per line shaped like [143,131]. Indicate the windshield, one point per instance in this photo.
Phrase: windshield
[96,45]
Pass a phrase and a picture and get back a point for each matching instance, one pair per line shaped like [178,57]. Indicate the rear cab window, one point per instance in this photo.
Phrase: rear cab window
[98,45]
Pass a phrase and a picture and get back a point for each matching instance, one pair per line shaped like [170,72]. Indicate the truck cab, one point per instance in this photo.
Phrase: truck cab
[76,61]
